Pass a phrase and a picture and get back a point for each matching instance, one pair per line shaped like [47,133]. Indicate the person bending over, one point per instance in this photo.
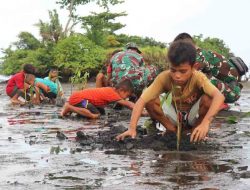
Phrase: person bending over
[87,102]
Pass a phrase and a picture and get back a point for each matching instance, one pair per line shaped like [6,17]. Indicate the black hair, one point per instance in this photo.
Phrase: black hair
[53,68]
[184,36]
[29,69]
[181,52]
[125,85]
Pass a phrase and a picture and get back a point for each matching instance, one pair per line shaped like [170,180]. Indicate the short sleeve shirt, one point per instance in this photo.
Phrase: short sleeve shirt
[96,96]
[16,80]
[195,87]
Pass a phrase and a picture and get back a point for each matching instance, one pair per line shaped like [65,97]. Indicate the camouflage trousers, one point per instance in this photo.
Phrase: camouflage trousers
[140,77]
[231,91]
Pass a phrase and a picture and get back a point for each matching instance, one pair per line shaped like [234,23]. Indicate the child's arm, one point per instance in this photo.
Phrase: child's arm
[201,130]
[43,87]
[131,105]
[37,98]
[59,87]
[136,113]
[128,104]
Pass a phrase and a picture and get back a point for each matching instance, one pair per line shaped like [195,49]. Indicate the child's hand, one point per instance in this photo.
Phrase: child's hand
[199,132]
[35,101]
[48,89]
[128,133]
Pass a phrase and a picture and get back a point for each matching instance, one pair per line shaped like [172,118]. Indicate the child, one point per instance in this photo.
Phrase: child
[47,88]
[53,76]
[16,85]
[221,71]
[87,101]
[193,95]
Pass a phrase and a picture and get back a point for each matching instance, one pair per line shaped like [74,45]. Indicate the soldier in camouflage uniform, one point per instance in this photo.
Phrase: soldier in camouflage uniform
[129,64]
[222,72]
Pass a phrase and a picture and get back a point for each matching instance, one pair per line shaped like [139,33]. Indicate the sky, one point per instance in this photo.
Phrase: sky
[159,19]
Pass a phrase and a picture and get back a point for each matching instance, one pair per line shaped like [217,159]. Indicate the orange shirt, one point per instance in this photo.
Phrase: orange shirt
[95,96]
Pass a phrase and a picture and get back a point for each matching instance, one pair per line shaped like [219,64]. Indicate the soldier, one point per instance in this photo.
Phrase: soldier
[129,64]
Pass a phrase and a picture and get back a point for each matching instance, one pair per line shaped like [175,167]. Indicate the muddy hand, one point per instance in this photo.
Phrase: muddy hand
[199,133]
[128,133]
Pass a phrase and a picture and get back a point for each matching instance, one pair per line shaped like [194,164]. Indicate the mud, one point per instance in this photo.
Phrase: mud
[39,150]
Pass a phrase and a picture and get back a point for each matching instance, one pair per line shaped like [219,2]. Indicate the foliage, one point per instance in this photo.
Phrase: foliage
[99,26]
[102,3]
[156,56]
[213,44]
[51,31]
[78,53]
[79,80]
[140,41]
[27,41]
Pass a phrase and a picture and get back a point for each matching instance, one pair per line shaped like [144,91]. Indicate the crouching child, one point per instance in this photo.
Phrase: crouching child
[88,101]
[47,89]
[193,96]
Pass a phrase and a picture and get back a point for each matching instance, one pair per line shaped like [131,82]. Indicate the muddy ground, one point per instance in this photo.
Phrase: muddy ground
[39,150]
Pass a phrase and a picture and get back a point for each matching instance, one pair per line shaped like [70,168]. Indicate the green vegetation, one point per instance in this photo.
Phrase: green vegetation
[83,52]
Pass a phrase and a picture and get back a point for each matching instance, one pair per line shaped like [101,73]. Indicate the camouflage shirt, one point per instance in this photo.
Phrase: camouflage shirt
[130,65]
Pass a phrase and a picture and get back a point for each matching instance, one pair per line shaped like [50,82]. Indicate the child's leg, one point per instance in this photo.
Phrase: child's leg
[82,111]
[15,95]
[199,110]
[155,111]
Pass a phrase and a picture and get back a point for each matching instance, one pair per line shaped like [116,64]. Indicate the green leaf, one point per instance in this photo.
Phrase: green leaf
[169,99]
[232,119]
[247,114]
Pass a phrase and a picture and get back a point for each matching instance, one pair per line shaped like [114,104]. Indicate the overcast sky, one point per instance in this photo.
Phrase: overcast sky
[160,19]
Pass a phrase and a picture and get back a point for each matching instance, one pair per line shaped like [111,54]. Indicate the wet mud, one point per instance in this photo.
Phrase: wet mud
[40,150]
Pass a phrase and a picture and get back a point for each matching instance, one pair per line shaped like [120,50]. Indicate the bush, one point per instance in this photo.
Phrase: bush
[77,53]
[155,56]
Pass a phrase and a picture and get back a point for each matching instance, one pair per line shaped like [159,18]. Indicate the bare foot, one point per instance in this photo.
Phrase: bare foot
[16,101]
[95,116]
[65,109]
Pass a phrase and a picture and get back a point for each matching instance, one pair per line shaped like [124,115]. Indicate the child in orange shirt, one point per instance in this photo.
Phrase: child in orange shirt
[87,101]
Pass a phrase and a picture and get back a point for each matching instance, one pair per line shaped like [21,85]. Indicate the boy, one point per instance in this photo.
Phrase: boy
[53,76]
[221,72]
[193,95]
[47,88]
[16,85]
[87,101]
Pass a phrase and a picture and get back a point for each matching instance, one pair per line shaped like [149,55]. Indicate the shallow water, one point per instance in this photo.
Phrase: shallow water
[32,157]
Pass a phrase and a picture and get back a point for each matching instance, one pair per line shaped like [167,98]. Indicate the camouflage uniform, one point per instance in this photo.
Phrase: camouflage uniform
[221,72]
[129,64]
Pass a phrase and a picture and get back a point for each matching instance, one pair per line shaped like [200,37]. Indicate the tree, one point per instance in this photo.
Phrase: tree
[77,53]
[140,41]
[99,26]
[51,31]
[71,6]
[27,41]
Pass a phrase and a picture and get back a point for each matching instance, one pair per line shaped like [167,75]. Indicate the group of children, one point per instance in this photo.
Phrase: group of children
[24,86]
[195,98]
